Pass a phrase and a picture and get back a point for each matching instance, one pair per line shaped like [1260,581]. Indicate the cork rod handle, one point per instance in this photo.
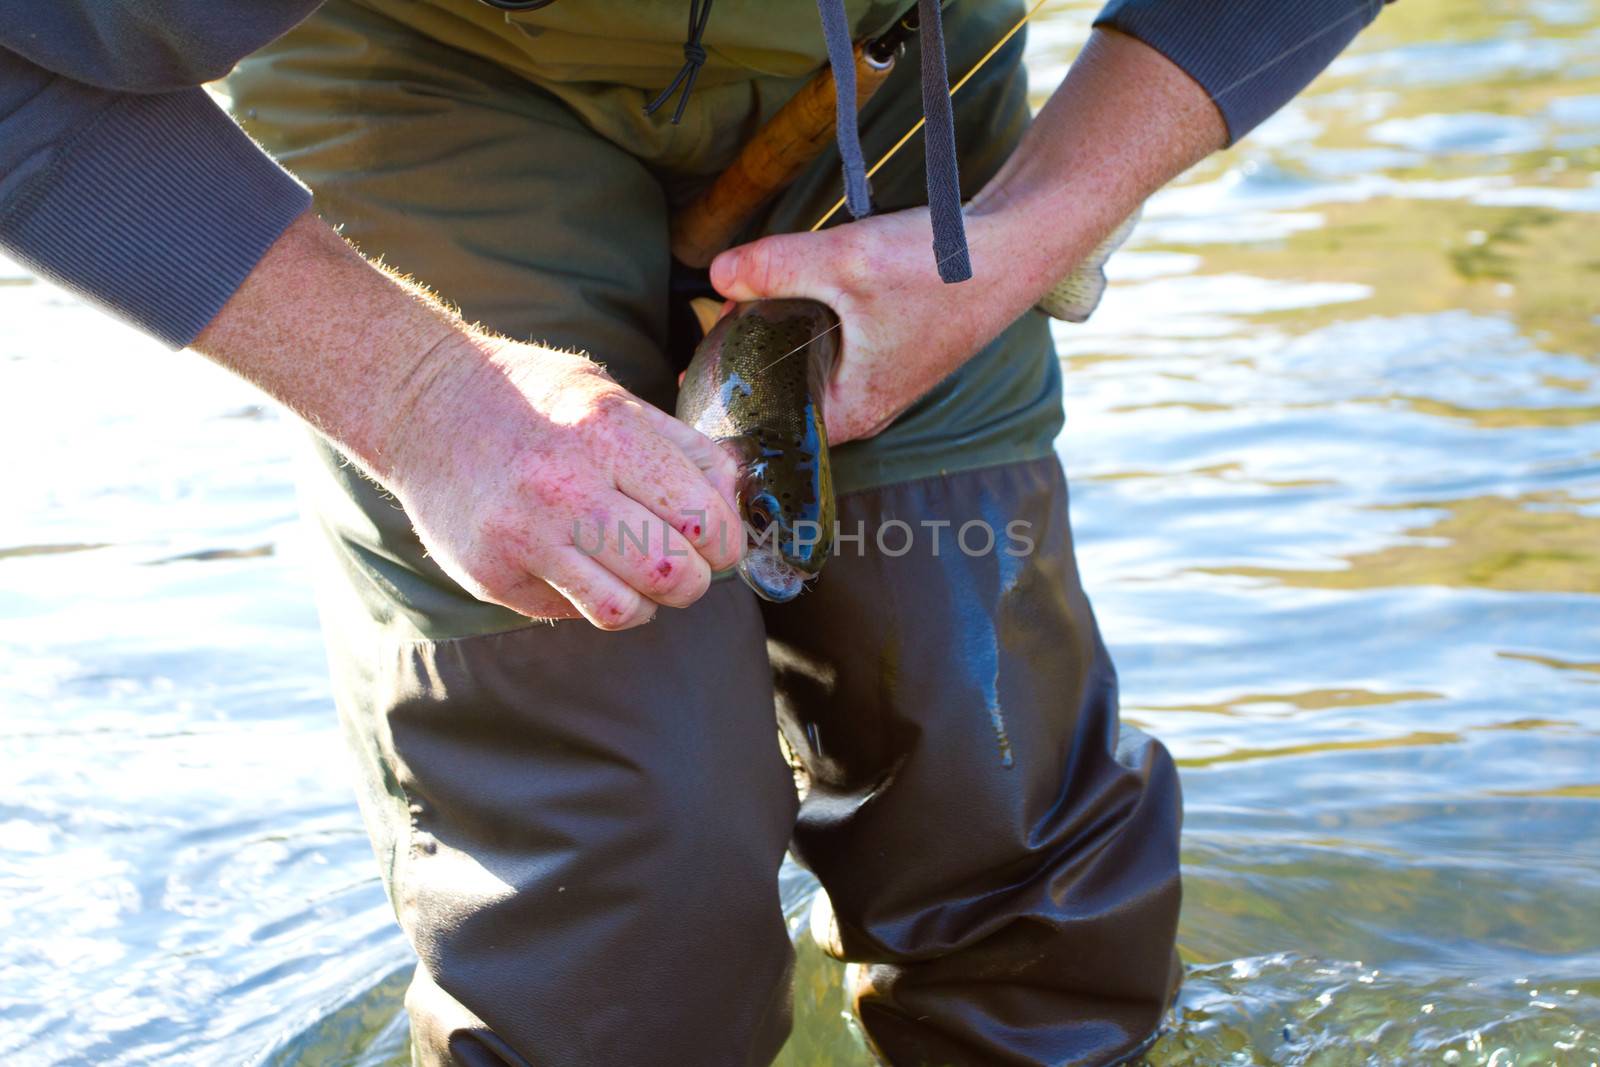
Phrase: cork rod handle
[771,159]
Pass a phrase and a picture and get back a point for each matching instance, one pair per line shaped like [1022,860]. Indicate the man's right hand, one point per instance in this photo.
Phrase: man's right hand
[539,483]
[533,479]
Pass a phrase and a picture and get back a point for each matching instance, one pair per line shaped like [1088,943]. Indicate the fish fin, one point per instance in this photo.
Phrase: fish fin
[707,312]
[1074,298]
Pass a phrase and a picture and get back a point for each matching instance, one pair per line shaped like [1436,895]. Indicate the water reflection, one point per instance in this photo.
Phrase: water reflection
[1288,705]
[1539,542]
[1560,665]
[1336,466]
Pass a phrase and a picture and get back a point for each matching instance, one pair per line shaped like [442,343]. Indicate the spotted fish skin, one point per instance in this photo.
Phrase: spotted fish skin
[757,385]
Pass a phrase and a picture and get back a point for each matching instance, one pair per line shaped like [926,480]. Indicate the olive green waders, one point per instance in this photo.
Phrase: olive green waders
[581,831]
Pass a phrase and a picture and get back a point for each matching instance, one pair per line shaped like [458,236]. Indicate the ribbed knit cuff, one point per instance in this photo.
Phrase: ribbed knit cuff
[1250,56]
[157,210]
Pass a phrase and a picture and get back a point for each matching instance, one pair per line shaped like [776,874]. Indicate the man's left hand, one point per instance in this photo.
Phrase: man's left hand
[1126,121]
[904,329]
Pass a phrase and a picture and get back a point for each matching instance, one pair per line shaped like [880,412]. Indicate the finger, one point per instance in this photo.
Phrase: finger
[644,551]
[771,266]
[693,487]
[703,455]
[597,594]
[535,598]
[506,580]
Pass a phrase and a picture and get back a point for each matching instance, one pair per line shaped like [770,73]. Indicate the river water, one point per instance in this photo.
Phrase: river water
[1335,443]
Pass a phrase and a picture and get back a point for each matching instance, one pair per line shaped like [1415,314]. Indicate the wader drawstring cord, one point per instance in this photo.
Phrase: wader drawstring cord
[1027,16]
[836,32]
[989,55]
[943,175]
[939,155]
[954,89]
[694,57]
[694,53]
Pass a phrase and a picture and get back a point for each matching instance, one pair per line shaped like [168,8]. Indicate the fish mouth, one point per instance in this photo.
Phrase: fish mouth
[771,576]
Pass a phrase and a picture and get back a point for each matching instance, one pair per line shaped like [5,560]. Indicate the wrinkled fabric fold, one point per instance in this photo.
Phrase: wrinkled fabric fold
[1000,854]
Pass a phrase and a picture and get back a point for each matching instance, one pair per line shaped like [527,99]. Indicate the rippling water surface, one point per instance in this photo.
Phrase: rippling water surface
[1335,441]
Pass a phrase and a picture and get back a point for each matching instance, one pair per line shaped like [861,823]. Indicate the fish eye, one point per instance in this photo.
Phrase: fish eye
[762,511]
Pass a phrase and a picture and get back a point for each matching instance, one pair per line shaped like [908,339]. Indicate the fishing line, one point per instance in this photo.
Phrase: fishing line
[840,322]
[1285,54]
[1012,32]
[901,143]
[912,132]
[1023,21]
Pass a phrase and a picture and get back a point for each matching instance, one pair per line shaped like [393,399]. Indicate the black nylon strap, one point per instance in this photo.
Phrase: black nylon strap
[939,142]
[841,56]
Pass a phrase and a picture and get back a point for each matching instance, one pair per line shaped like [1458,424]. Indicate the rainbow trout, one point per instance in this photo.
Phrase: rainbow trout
[756,385]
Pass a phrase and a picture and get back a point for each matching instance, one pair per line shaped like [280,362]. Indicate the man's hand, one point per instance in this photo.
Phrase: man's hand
[533,479]
[539,483]
[1125,121]
[903,329]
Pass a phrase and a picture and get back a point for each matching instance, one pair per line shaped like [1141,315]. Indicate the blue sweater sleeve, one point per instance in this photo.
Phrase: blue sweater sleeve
[1250,56]
[120,178]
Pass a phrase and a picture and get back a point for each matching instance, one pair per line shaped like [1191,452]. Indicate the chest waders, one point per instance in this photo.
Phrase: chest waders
[580,832]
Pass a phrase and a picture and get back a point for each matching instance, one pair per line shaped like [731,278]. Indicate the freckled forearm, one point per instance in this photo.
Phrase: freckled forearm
[1124,122]
[335,338]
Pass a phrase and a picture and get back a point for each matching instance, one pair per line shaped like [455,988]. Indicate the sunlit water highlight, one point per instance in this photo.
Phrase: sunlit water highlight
[1335,443]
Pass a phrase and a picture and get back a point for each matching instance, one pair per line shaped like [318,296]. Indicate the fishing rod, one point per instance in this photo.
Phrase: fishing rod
[786,144]
[783,147]
[792,138]
[954,89]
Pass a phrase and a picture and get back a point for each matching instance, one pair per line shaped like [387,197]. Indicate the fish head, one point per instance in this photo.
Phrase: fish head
[787,506]
[757,385]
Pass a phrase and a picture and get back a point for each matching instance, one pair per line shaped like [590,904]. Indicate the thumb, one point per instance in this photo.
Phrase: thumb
[772,266]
